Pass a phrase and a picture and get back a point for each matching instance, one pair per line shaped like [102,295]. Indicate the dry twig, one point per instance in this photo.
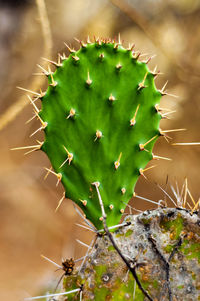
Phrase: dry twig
[20,104]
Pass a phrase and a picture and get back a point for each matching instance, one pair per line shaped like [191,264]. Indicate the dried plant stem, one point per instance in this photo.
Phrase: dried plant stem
[130,266]
[20,104]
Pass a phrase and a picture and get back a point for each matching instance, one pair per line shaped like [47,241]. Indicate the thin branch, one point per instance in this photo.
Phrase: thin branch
[128,264]
[162,258]
[59,281]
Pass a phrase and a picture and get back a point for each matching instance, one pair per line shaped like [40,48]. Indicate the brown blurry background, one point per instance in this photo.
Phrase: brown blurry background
[29,226]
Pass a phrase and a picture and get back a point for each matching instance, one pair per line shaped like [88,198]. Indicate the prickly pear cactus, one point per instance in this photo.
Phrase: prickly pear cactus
[101,119]
[100,115]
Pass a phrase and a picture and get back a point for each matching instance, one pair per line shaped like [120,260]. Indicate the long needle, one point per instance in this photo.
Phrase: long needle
[46,258]
[54,295]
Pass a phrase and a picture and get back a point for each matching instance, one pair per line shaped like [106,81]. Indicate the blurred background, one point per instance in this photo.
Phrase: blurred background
[29,225]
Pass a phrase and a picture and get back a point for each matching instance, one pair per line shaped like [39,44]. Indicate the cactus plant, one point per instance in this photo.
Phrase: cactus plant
[100,117]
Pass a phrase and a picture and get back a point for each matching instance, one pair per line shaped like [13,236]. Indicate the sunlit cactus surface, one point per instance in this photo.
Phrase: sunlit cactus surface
[101,119]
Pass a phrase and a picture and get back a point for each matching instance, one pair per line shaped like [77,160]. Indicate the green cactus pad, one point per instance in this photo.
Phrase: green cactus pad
[99,112]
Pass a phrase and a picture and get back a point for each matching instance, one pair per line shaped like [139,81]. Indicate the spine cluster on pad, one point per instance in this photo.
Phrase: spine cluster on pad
[101,119]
